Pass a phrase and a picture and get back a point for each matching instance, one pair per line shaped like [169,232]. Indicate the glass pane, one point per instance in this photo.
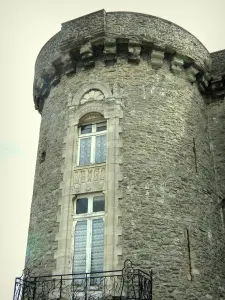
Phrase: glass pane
[100,151]
[98,203]
[97,250]
[80,243]
[85,151]
[101,126]
[82,206]
[86,129]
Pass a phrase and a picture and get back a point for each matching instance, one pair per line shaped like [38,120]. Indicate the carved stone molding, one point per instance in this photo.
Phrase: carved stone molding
[99,178]
[88,179]
[108,48]
[92,95]
[93,90]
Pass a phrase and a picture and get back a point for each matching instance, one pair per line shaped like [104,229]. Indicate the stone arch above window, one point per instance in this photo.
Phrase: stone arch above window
[92,91]
[91,117]
[92,95]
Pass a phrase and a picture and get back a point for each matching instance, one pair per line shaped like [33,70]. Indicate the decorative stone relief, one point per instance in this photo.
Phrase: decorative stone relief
[92,90]
[93,95]
[92,117]
[86,179]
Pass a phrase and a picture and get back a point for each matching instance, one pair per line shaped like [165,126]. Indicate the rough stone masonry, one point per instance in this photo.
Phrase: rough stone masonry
[165,169]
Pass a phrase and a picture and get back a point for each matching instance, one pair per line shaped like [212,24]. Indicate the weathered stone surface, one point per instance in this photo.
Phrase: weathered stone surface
[68,64]
[87,55]
[110,50]
[177,64]
[112,34]
[157,58]
[171,156]
[134,50]
[46,194]
[218,63]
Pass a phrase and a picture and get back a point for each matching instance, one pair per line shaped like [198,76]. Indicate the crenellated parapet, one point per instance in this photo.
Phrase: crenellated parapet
[109,36]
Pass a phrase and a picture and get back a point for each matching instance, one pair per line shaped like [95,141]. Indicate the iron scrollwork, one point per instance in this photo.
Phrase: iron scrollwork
[126,284]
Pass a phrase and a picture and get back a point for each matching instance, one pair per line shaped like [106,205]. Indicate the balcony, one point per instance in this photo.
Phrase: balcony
[128,283]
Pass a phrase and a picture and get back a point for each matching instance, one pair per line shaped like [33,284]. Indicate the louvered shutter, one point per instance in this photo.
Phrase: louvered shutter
[97,247]
[80,244]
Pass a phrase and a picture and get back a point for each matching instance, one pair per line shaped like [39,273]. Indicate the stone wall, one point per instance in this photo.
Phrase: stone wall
[169,199]
[218,63]
[169,190]
[126,25]
[46,192]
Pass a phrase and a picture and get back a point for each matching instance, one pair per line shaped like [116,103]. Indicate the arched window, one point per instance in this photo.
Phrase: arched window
[92,139]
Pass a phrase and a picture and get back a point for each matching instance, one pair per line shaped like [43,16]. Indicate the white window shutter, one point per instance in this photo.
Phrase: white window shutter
[97,248]
[80,244]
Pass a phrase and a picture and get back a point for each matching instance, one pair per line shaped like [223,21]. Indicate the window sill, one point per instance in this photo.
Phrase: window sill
[81,167]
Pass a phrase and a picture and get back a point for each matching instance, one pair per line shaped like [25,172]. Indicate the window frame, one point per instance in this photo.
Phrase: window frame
[89,217]
[93,136]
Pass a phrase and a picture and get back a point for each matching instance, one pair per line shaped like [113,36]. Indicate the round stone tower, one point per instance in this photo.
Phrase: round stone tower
[124,166]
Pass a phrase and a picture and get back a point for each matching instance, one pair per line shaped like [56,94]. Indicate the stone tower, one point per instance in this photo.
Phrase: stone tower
[130,162]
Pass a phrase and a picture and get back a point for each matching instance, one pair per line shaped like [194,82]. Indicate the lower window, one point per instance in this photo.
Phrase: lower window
[89,234]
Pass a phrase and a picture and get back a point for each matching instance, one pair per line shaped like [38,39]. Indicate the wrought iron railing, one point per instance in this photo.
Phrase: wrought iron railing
[128,283]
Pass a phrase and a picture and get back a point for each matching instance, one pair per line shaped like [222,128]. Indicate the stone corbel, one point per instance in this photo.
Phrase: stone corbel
[41,87]
[157,57]
[68,64]
[177,64]
[147,45]
[110,50]
[204,82]
[191,73]
[134,50]
[50,76]
[86,53]
[208,64]
[206,77]
[41,91]
[218,87]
